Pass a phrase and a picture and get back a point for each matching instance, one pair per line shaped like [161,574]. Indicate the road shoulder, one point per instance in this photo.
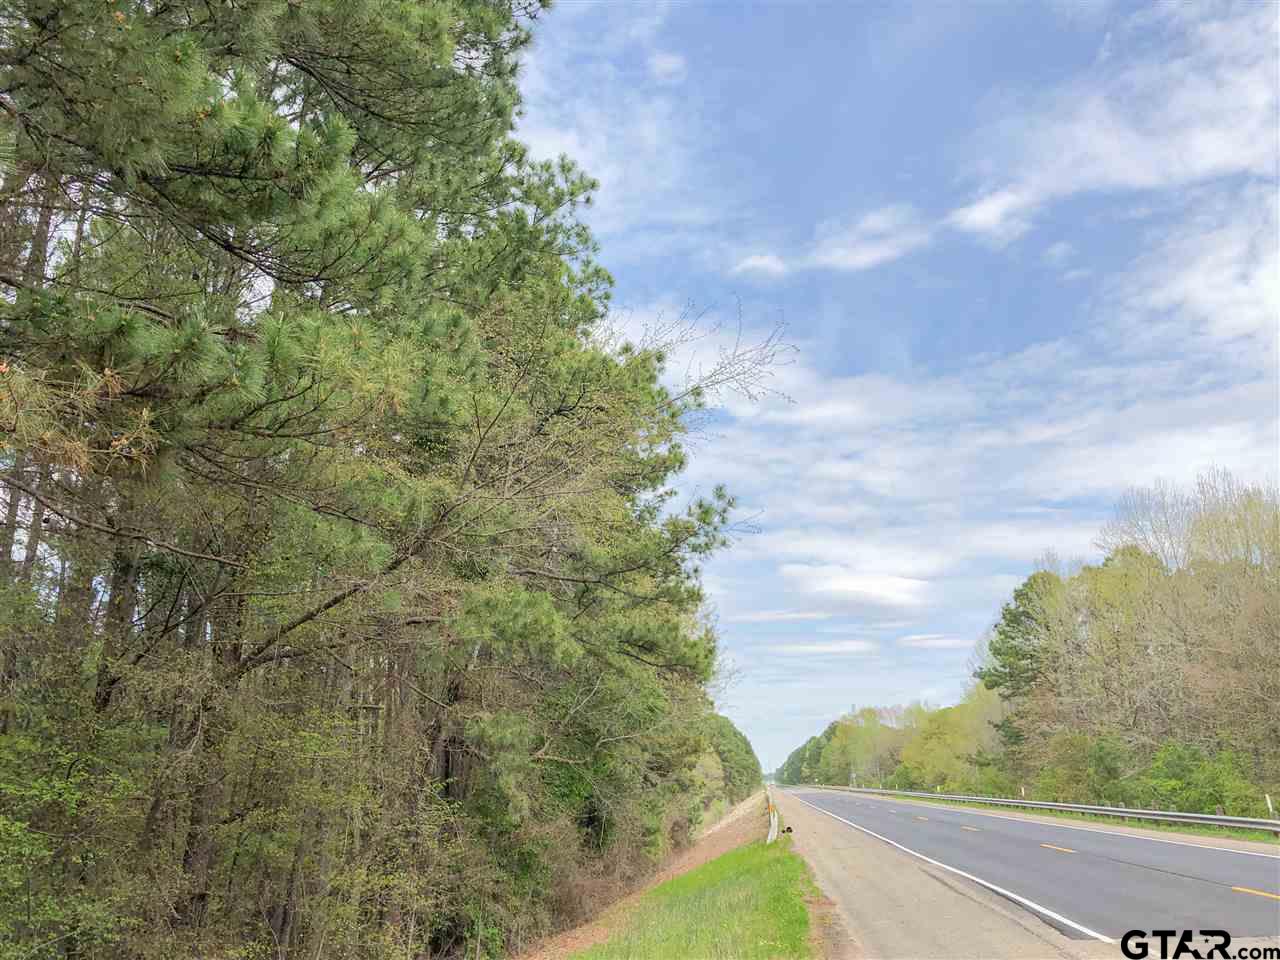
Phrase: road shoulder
[893,905]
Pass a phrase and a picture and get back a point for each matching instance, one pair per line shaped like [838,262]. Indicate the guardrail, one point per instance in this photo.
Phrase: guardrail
[773,817]
[1166,816]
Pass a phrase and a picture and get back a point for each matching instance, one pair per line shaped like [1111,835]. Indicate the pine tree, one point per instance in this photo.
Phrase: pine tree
[338,544]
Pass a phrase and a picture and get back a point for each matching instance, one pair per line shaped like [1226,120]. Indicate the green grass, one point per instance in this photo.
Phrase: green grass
[748,904]
[1233,833]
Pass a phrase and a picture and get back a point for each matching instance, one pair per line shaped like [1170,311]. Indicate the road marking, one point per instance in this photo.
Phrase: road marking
[1050,846]
[922,818]
[970,829]
[1045,821]
[1030,904]
[1256,893]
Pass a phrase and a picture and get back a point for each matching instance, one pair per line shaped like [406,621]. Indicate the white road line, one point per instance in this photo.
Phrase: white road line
[1048,822]
[1030,904]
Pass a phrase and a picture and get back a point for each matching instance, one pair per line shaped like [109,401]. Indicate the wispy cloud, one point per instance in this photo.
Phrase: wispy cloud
[858,589]
[779,616]
[1199,104]
[933,641]
[873,239]
[1002,216]
[922,491]
[767,264]
[878,237]
[827,648]
[599,87]
[1214,276]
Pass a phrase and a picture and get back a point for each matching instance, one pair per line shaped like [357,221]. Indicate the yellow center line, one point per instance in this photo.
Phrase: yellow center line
[922,818]
[971,829]
[1050,846]
[1256,893]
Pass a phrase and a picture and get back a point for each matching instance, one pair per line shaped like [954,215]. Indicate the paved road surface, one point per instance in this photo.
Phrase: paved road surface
[1086,883]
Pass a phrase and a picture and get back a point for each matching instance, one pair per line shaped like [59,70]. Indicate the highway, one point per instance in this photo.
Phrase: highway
[1086,883]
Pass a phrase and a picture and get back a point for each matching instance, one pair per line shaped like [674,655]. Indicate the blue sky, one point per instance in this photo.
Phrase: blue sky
[1026,253]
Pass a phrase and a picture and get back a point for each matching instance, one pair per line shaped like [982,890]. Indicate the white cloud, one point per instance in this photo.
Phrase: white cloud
[597,87]
[933,641]
[871,240]
[826,648]
[667,67]
[1199,105]
[1001,216]
[779,616]
[864,553]
[1216,274]
[933,493]
[858,588]
[763,263]
[1177,372]
[877,237]
[1235,428]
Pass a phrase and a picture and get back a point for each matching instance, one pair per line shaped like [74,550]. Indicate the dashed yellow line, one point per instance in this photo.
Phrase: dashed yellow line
[1050,846]
[1256,893]
[970,829]
[922,818]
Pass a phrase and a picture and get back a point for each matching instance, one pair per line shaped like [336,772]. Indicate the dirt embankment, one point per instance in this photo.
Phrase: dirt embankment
[746,822]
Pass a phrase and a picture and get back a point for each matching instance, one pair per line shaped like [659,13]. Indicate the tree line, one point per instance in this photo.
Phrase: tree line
[1150,679]
[345,606]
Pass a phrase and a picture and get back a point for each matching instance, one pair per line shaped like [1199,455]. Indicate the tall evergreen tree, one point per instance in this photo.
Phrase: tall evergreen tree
[344,607]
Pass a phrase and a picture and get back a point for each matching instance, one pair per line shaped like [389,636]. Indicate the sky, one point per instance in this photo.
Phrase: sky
[1024,256]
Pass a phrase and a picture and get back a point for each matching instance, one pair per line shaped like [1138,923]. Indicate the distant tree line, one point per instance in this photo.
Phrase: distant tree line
[345,610]
[1149,680]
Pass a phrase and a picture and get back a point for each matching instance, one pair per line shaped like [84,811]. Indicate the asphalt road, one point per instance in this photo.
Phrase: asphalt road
[1087,883]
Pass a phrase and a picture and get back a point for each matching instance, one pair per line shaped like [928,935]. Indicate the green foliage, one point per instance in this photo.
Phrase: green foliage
[741,767]
[903,748]
[1015,651]
[1182,777]
[345,609]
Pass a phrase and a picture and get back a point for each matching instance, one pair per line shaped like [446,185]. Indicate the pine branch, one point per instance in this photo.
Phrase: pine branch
[121,533]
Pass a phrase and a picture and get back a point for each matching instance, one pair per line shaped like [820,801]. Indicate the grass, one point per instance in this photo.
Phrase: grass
[748,904]
[1197,830]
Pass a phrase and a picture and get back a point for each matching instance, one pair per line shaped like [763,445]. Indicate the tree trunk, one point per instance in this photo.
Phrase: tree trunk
[9,529]
[204,796]
[35,533]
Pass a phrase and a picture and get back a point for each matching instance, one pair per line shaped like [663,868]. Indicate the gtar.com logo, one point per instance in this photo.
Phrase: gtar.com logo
[1194,944]
[1136,944]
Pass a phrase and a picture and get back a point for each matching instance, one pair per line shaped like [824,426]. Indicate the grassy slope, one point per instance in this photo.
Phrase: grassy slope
[745,905]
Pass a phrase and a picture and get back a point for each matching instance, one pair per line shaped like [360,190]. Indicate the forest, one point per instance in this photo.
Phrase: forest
[347,608]
[1150,679]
